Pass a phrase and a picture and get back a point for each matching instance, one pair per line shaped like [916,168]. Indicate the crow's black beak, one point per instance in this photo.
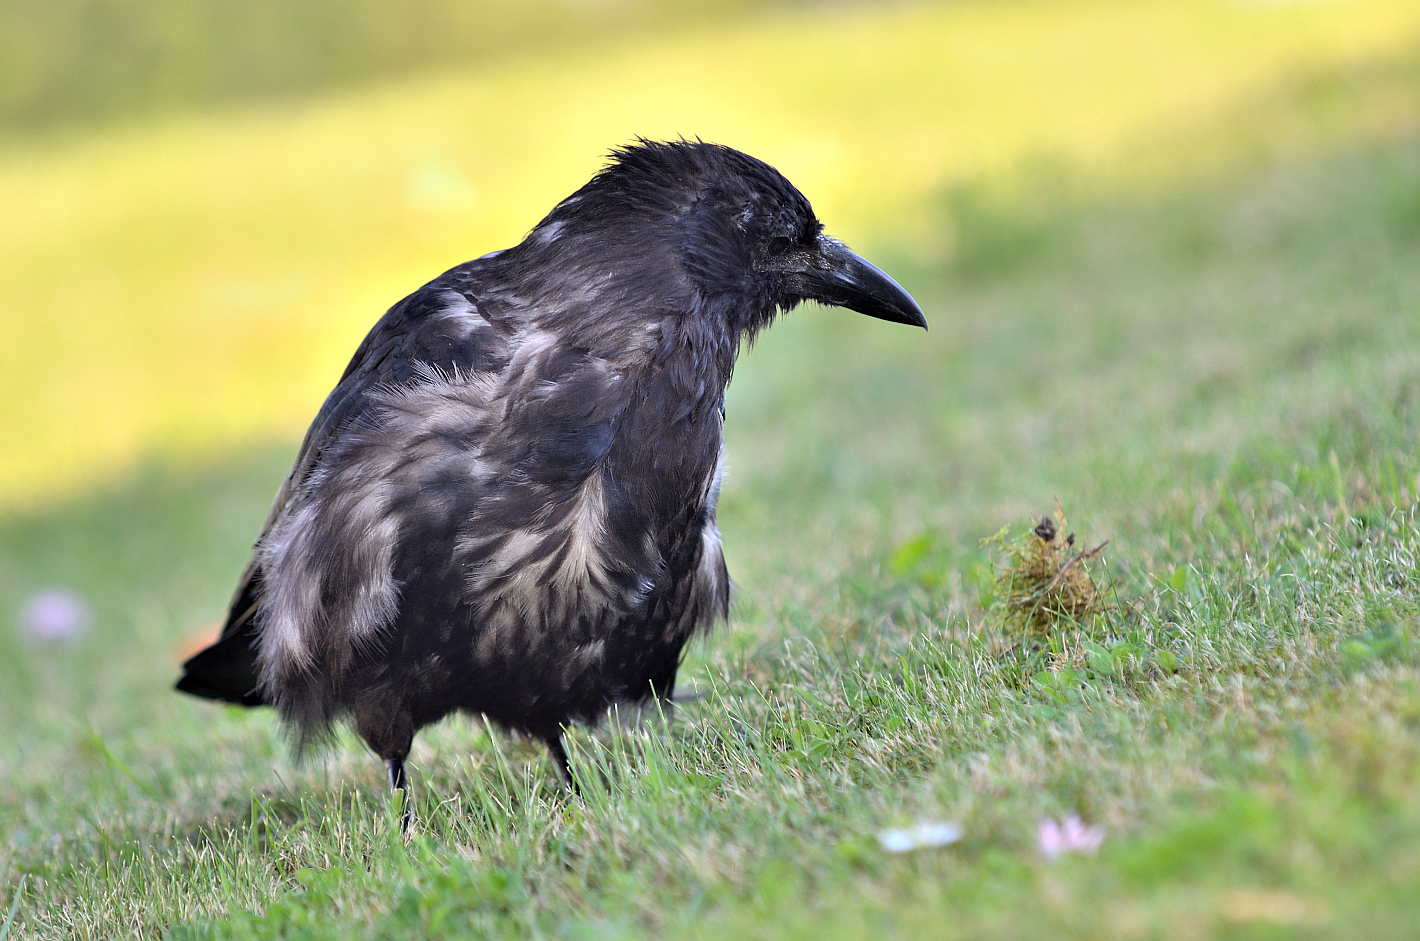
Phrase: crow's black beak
[843,279]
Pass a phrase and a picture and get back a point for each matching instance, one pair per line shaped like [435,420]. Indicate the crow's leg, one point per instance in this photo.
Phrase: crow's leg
[399,781]
[389,731]
[559,755]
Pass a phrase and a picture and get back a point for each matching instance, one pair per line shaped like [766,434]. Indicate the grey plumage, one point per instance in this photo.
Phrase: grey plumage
[507,504]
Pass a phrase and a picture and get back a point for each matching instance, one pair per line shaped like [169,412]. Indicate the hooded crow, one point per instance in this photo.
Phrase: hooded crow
[506,506]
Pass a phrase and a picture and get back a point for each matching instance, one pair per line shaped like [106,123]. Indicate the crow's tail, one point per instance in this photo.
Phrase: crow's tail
[227,670]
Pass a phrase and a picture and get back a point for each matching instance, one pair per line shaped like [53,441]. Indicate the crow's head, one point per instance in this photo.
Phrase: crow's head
[742,233]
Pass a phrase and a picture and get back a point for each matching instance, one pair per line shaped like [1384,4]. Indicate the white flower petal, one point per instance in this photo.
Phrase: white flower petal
[925,834]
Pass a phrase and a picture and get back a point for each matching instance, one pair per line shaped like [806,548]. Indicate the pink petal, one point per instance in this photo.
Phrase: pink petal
[55,615]
[1071,835]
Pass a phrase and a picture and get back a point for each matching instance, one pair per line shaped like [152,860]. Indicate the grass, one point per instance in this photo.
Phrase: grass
[70,64]
[1240,424]
[203,280]
[1218,372]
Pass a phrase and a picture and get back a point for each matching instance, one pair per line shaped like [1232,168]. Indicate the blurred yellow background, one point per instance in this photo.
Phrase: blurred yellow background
[177,283]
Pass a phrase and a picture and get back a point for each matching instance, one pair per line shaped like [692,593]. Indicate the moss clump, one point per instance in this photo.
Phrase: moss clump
[1045,579]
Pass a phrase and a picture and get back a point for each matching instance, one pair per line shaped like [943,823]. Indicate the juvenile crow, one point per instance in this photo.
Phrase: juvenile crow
[507,505]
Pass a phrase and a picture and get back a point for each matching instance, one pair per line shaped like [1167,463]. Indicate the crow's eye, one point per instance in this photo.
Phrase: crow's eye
[779,244]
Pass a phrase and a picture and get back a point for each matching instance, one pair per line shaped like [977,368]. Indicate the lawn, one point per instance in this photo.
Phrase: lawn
[1193,320]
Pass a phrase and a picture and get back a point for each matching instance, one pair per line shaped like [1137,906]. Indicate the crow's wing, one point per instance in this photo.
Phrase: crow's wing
[416,334]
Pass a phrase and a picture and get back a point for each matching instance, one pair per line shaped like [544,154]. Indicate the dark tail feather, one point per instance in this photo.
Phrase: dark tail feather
[226,671]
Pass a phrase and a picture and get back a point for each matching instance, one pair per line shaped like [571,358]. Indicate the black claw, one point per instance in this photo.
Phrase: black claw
[399,781]
[559,755]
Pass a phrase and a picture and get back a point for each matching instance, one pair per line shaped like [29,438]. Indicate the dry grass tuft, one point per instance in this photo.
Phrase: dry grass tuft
[1045,578]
